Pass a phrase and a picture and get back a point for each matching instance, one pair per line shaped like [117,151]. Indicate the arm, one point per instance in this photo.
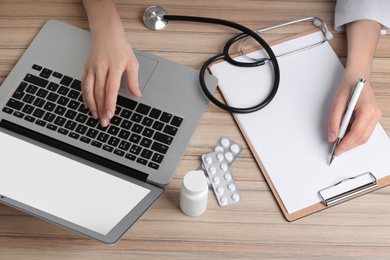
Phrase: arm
[362,38]
[109,56]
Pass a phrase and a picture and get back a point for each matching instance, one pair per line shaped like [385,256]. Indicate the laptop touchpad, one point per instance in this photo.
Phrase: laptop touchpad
[146,68]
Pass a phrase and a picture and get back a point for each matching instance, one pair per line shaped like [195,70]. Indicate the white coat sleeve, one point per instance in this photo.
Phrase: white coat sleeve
[353,10]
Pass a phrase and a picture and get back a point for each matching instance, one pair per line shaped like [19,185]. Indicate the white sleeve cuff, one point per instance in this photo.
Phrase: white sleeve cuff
[353,10]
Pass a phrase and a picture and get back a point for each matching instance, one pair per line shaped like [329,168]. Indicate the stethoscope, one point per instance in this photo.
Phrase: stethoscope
[156,18]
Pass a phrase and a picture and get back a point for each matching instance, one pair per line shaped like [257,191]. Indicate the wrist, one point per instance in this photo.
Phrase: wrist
[355,72]
[103,17]
[107,30]
[362,38]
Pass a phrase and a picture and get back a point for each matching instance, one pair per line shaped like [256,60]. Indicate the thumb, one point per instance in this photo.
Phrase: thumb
[132,78]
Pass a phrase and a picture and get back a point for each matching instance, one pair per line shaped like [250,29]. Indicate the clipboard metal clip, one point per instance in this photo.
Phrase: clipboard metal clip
[348,188]
[318,22]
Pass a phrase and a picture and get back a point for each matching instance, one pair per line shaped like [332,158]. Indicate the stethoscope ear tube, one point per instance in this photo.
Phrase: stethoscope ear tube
[225,55]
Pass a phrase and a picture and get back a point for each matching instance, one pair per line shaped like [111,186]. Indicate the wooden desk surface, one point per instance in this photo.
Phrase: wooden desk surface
[255,227]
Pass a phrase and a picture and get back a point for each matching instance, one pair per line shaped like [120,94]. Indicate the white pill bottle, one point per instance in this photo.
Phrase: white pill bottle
[193,193]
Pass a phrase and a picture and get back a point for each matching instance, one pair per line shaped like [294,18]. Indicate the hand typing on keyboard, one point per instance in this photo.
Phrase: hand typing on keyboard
[49,99]
[109,56]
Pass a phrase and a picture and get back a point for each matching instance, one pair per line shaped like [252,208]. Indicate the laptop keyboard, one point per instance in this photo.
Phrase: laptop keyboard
[137,131]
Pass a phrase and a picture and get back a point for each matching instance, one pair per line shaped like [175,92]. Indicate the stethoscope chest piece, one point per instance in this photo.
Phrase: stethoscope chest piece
[153,18]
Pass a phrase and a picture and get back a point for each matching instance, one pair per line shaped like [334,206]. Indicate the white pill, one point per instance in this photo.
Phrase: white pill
[225,142]
[229,156]
[224,167]
[213,170]
[235,148]
[209,159]
[220,157]
[223,200]
[218,149]
[220,190]
[227,176]
[235,197]
[216,180]
[231,187]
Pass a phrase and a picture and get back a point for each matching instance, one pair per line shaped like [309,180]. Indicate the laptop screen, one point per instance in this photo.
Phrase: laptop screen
[65,188]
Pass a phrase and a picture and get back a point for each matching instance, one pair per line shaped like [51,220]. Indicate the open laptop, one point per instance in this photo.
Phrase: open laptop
[59,164]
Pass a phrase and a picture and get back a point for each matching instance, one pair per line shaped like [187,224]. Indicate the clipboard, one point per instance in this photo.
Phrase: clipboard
[349,180]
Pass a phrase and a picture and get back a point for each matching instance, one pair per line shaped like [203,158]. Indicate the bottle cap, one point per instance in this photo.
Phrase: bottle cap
[195,182]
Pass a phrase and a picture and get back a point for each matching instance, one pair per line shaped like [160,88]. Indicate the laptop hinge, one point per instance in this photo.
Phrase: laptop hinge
[73,150]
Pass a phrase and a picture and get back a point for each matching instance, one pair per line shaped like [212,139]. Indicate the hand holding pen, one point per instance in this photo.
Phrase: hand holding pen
[367,115]
[353,99]
[359,62]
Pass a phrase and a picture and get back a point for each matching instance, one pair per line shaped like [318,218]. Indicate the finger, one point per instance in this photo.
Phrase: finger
[83,83]
[357,133]
[132,77]
[87,85]
[336,115]
[374,114]
[366,135]
[84,75]
[112,88]
[100,94]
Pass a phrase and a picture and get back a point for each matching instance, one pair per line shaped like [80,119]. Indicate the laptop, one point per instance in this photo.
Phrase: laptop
[59,164]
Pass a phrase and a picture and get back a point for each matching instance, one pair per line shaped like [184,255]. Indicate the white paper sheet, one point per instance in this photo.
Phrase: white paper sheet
[289,136]
[63,187]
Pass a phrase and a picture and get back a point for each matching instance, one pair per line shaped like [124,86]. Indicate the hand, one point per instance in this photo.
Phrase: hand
[367,115]
[109,56]
[359,62]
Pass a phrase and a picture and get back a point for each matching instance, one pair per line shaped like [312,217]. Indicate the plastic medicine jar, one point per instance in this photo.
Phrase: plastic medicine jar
[193,193]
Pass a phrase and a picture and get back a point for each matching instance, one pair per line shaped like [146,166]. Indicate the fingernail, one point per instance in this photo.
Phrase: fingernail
[103,122]
[138,92]
[85,105]
[109,114]
[331,136]
[94,115]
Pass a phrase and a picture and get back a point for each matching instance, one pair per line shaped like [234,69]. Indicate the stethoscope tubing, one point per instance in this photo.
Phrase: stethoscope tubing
[225,55]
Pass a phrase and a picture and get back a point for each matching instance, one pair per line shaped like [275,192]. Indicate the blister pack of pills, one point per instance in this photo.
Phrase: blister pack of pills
[230,150]
[228,147]
[217,167]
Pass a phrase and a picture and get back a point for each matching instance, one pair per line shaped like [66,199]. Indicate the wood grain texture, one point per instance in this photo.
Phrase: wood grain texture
[252,229]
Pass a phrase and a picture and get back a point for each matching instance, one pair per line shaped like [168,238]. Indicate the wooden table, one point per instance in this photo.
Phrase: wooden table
[255,227]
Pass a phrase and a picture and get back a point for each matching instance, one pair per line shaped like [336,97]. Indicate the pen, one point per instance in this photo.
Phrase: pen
[353,99]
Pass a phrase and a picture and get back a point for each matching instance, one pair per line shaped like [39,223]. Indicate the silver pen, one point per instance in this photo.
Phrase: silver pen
[353,99]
